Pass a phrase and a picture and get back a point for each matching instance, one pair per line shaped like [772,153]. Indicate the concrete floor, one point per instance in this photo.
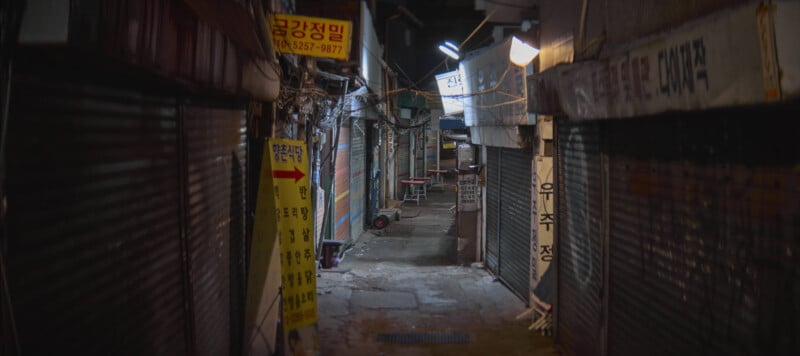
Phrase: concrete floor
[405,279]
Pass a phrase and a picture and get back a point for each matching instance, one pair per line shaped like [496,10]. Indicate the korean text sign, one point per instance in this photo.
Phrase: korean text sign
[310,36]
[295,226]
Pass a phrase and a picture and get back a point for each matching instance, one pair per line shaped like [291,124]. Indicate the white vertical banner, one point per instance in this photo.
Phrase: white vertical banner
[451,90]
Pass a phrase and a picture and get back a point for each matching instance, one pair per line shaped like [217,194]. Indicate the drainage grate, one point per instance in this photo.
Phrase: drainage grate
[425,338]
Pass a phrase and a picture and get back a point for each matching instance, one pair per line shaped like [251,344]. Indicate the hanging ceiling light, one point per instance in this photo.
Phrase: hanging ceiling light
[449,48]
[521,53]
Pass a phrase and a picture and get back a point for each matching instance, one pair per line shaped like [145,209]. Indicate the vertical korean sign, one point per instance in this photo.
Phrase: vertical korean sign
[288,163]
[467,191]
[451,91]
[310,36]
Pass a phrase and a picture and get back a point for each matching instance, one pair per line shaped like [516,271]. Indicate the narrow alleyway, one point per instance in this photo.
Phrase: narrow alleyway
[402,286]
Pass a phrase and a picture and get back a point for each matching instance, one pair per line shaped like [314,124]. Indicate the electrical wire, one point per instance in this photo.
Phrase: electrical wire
[299,96]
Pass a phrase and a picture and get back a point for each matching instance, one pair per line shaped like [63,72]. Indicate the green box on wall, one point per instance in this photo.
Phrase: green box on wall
[410,100]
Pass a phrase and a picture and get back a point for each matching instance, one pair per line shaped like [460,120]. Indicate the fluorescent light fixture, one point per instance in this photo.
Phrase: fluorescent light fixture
[451,45]
[452,91]
[521,53]
[448,51]
[449,48]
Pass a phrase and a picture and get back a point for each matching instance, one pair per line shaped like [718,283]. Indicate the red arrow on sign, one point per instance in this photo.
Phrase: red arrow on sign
[296,174]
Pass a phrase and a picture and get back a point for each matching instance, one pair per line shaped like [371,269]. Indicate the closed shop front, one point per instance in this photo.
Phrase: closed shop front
[216,159]
[126,223]
[492,208]
[341,204]
[579,237]
[674,234]
[508,217]
[94,232]
[357,177]
[703,218]
[676,186]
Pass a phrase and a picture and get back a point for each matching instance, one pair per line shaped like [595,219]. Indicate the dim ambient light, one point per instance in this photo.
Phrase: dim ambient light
[521,53]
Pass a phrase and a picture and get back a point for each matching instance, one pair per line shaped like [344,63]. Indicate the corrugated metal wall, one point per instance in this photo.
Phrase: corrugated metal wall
[508,217]
[341,208]
[216,155]
[357,177]
[703,212]
[126,221]
[515,220]
[579,238]
[492,208]
[93,220]
[705,224]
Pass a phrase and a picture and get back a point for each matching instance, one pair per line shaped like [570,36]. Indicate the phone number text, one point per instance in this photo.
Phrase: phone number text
[307,46]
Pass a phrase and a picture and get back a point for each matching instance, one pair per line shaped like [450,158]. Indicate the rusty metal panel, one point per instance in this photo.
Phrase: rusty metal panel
[705,210]
[579,238]
[515,221]
[216,147]
[492,208]
[341,210]
[94,256]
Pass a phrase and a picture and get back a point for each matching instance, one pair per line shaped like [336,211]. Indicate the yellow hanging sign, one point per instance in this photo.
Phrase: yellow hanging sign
[310,36]
[295,229]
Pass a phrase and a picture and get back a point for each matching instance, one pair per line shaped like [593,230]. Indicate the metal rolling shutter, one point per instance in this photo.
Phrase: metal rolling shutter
[216,154]
[403,158]
[579,237]
[515,220]
[93,220]
[705,232]
[357,174]
[492,208]
[341,209]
